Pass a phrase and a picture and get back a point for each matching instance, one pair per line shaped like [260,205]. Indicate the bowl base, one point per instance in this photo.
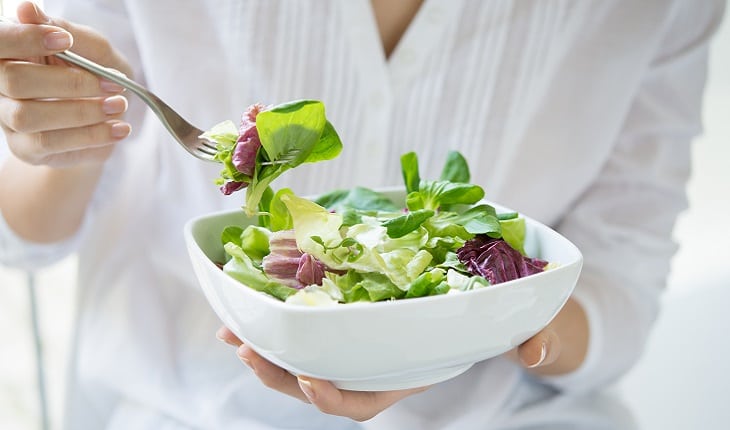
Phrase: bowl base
[403,382]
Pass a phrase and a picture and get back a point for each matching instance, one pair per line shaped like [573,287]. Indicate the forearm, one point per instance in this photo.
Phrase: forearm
[44,204]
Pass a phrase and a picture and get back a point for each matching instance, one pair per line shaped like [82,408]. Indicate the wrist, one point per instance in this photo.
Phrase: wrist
[46,204]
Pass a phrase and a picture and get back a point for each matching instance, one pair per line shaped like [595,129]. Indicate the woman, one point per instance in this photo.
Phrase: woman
[579,114]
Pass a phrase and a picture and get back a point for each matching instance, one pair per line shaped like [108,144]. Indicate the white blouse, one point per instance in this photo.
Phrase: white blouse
[577,113]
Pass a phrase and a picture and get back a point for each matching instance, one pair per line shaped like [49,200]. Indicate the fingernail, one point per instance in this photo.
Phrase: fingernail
[219,334]
[110,86]
[120,130]
[306,387]
[114,105]
[57,40]
[240,352]
[246,361]
[543,354]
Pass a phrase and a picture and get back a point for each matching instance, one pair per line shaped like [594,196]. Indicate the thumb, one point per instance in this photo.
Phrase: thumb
[540,350]
[62,34]
[86,42]
[35,35]
[30,13]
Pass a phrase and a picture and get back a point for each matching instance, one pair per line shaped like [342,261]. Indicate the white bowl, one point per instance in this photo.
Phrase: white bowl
[386,345]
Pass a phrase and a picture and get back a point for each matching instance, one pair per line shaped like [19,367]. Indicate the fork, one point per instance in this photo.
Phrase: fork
[187,135]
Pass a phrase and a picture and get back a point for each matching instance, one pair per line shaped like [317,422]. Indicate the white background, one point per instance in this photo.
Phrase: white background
[680,383]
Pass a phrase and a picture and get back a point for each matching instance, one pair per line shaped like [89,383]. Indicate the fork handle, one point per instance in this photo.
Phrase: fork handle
[110,74]
[97,69]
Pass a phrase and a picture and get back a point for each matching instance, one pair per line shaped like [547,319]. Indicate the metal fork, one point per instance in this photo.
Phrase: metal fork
[187,135]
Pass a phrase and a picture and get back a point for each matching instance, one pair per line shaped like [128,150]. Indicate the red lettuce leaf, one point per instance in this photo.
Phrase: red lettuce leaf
[496,260]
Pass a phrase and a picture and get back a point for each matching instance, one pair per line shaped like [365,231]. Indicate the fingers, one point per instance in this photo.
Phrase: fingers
[53,114]
[271,375]
[32,116]
[62,132]
[67,147]
[24,80]
[559,348]
[31,13]
[228,337]
[34,35]
[540,350]
[28,40]
[357,405]
[44,36]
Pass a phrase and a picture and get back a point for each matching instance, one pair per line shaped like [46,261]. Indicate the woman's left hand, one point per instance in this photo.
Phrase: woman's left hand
[356,405]
[560,347]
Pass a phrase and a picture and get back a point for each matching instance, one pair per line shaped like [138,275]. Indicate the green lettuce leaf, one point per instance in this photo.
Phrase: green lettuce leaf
[513,232]
[366,287]
[406,223]
[291,134]
[255,243]
[428,283]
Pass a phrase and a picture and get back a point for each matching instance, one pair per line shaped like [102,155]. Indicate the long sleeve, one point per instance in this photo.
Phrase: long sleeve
[624,222]
[21,254]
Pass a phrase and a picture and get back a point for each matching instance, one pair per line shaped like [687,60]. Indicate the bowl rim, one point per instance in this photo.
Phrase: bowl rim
[190,238]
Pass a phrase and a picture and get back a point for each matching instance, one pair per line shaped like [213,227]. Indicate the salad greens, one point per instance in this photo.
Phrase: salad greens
[269,142]
[356,245]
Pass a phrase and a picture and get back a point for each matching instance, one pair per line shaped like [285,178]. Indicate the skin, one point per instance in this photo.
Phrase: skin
[393,19]
[61,125]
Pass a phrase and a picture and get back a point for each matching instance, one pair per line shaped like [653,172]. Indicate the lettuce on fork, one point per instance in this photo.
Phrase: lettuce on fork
[269,142]
[356,245]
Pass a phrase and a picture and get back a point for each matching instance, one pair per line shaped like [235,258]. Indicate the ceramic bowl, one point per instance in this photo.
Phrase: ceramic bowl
[393,344]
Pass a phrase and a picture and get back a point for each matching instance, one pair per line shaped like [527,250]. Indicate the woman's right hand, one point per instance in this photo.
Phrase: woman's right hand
[54,114]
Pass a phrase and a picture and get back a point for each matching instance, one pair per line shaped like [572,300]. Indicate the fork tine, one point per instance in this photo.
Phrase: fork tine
[209,145]
[291,155]
[206,151]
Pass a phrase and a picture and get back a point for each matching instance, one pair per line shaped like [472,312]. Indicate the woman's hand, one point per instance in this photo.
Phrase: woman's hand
[53,114]
[60,122]
[357,405]
[558,348]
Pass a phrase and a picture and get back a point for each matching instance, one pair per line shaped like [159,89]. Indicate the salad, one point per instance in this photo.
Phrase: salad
[356,245]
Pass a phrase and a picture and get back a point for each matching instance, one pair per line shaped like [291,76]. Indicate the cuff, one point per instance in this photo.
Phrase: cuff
[620,315]
[25,255]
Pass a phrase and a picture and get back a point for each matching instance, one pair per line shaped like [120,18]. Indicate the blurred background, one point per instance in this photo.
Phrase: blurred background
[680,383]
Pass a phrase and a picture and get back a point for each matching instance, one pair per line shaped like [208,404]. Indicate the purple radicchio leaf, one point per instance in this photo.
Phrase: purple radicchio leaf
[231,187]
[244,154]
[310,270]
[496,260]
[282,262]
[248,143]
[287,265]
